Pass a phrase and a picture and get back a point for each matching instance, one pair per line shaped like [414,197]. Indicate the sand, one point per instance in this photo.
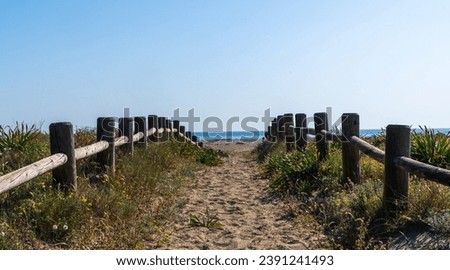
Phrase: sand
[235,196]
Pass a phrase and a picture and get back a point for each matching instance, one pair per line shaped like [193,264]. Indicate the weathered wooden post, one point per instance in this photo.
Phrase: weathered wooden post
[280,131]
[106,132]
[62,141]
[350,153]
[189,135]
[183,131]
[395,195]
[289,131]
[126,129]
[176,125]
[153,123]
[194,138]
[140,125]
[169,133]
[161,121]
[301,131]
[274,130]
[321,123]
[162,125]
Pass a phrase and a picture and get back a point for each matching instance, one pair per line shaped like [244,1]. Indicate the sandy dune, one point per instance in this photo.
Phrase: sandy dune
[236,195]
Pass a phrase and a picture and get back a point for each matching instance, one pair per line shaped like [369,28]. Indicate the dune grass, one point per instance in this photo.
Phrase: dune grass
[350,215]
[133,210]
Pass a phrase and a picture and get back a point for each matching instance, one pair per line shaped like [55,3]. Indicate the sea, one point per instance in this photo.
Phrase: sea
[257,135]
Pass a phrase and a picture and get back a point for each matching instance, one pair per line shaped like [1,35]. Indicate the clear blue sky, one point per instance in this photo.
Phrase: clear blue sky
[77,60]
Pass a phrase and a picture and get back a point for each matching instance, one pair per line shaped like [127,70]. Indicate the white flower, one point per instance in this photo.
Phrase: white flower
[65,227]
[55,227]
[2,234]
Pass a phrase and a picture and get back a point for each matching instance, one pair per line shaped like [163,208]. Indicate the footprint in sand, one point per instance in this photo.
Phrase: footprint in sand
[249,217]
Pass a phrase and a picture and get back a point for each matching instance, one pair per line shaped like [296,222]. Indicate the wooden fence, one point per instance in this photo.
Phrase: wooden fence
[62,162]
[396,157]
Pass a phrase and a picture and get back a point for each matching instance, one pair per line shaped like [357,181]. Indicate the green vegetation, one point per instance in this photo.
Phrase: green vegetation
[133,210]
[292,173]
[20,145]
[210,156]
[431,147]
[350,215]
[208,220]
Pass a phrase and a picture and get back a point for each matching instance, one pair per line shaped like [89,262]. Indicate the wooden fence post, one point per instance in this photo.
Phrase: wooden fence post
[162,124]
[280,131]
[189,135]
[281,127]
[106,132]
[194,138]
[301,131]
[140,125]
[321,123]
[176,125]
[350,153]
[289,131]
[183,130]
[274,130]
[126,129]
[153,123]
[62,141]
[395,195]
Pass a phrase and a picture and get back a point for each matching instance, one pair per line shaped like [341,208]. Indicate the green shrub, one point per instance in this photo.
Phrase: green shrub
[351,215]
[210,156]
[292,173]
[265,148]
[378,140]
[19,138]
[20,146]
[431,147]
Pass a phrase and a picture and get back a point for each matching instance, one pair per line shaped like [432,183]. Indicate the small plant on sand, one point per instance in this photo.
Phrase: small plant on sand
[208,220]
[210,156]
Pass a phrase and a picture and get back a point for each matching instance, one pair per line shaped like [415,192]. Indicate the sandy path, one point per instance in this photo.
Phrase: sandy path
[235,193]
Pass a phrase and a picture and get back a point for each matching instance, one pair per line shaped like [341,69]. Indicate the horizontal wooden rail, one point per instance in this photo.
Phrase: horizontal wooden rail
[368,149]
[188,139]
[27,173]
[138,136]
[396,157]
[151,131]
[331,136]
[90,150]
[121,141]
[430,172]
